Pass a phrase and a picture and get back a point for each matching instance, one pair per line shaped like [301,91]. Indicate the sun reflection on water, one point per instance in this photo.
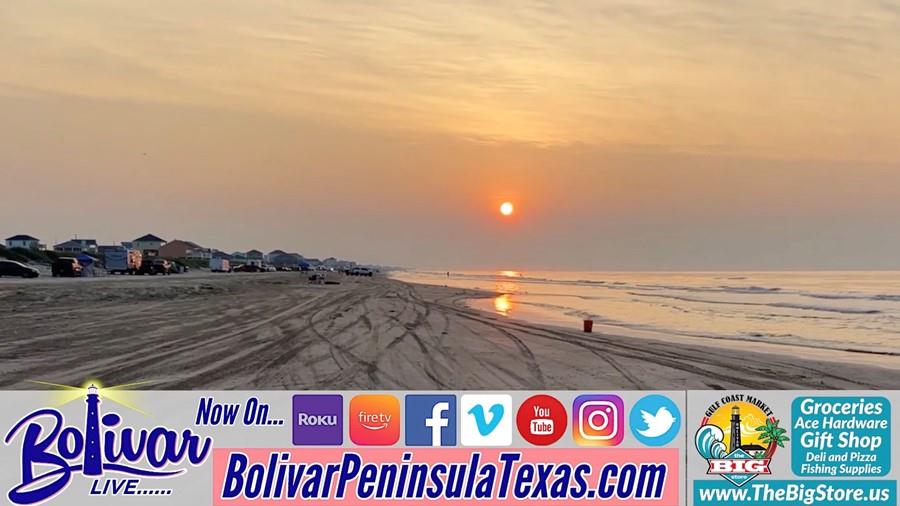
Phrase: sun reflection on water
[503,304]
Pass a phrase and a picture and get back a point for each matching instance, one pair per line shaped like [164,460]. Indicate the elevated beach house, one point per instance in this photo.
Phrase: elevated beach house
[177,248]
[273,254]
[148,243]
[23,241]
[76,246]
[289,260]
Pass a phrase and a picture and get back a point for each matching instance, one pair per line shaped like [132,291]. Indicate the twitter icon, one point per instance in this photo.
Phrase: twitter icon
[655,420]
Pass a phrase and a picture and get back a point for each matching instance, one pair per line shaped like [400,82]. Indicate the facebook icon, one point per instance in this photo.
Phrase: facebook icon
[431,420]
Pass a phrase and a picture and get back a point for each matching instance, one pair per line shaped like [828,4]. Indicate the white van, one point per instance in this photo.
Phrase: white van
[123,261]
[217,264]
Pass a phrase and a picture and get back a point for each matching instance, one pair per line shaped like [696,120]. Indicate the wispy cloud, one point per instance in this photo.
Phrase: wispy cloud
[798,79]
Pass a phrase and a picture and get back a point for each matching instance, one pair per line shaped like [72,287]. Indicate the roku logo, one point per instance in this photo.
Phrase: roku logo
[316,420]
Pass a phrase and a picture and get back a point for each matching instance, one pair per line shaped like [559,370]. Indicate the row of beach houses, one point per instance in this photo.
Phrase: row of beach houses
[153,245]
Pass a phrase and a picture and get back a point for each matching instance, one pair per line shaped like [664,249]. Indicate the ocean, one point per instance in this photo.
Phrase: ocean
[845,310]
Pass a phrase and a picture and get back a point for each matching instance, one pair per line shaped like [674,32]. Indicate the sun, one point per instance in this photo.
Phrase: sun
[506,208]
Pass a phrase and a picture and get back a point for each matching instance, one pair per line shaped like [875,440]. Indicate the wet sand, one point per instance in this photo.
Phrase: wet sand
[276,331]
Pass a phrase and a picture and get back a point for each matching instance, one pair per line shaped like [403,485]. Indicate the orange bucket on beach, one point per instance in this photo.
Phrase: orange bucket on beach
[588,325]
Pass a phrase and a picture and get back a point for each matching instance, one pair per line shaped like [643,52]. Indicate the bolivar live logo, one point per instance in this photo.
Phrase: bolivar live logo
[101,448]
[752,435]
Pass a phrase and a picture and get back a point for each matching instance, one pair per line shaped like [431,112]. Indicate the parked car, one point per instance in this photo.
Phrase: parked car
[16,269]
[66,267]
[248,268]
[154,266]
[123,261]
[361,271]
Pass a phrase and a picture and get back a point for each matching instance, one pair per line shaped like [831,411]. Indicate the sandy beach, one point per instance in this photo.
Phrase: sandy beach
[276,331]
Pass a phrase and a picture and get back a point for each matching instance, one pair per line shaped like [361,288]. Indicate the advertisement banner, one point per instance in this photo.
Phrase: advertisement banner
[791,448]
[109,445]
[112,445]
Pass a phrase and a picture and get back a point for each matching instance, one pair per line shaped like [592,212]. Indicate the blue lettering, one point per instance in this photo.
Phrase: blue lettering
[349,471]
[508,460]
[234,476]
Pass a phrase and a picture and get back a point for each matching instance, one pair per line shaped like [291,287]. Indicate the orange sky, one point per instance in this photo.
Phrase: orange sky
[630,134]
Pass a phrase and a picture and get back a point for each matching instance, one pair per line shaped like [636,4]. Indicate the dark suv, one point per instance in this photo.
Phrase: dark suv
[16,269]
[154,266]
[66,267]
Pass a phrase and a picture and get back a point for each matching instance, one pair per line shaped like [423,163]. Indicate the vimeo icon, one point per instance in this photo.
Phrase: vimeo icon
[486,420]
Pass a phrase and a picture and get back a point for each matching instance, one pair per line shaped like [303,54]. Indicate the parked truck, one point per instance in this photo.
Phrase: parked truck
[219,265]
[123,261]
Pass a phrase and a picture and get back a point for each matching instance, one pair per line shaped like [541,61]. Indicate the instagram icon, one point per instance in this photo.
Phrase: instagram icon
[597,420]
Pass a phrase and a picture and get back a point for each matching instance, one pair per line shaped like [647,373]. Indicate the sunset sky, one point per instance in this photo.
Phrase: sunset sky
[628,134]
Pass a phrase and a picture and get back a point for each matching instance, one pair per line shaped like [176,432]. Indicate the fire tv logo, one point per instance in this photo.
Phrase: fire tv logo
[374,420]
[541,420]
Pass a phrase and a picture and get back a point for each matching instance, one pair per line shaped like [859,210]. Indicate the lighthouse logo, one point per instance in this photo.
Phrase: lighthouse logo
[102,450]
[738,437]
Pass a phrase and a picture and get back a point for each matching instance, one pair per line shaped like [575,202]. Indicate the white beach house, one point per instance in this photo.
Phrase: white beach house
[23,241]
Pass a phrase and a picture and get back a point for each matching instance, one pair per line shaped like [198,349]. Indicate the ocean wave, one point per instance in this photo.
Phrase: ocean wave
[657,287]
[852,296]
[622,328]
[842,310]
[615,285]
[859,314]
[783,305]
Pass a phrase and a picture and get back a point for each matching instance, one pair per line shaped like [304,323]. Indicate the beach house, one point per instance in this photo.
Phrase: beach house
[75,246]
[148,243]
[289,260]
[178,248]
[23,241]
[87,245]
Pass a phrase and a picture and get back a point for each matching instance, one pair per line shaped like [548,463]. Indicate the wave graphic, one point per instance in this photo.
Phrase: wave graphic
[710,442]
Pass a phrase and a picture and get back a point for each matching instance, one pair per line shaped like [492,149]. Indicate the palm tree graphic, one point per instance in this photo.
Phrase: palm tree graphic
[773,435]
